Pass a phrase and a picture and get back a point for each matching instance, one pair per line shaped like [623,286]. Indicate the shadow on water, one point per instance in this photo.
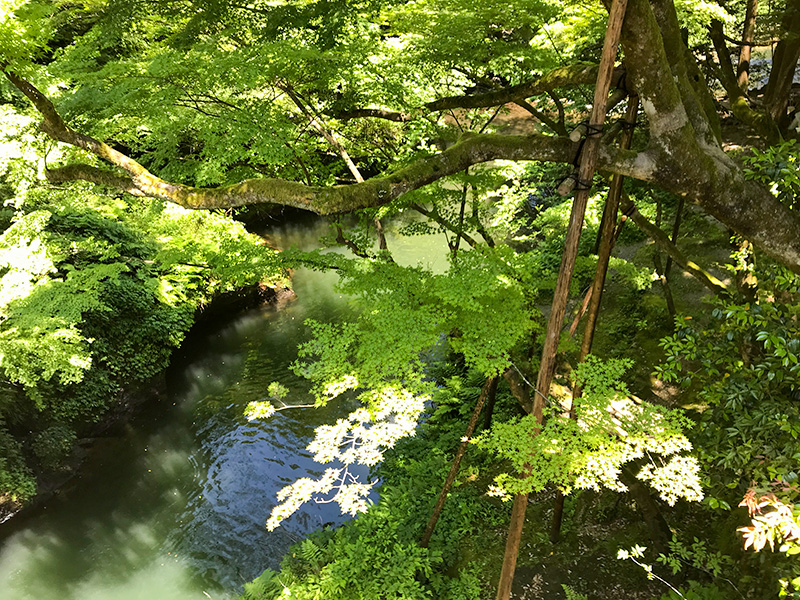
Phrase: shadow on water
[174,506]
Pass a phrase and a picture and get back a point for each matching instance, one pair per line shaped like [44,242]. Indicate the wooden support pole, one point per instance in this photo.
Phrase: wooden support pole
[607,226]
[548,362]
[595,294]
[489,390]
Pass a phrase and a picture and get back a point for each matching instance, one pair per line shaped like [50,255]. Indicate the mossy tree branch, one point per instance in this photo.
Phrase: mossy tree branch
[683,155]
[567,76]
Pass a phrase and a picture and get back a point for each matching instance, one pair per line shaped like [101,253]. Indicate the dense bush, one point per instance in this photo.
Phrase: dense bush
[95,295]
[378,555]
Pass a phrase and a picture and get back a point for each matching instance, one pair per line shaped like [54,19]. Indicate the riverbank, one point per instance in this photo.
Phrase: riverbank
[173,505]
[219,311]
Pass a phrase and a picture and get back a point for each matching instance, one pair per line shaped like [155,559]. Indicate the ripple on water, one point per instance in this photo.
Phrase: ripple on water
[175,507]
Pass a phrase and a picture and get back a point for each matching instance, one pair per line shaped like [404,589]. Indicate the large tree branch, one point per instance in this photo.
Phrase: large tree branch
[578,74]
[571,75]
[678,160]
[687,160]
[378,191]
[741,109]
[784,64]
[377,113]
[83,172]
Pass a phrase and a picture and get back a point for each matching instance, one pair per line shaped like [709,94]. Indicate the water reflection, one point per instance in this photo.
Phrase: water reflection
[174,505]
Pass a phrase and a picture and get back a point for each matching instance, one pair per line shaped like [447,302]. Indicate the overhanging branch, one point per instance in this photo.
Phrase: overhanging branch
[378,191]
[571,75]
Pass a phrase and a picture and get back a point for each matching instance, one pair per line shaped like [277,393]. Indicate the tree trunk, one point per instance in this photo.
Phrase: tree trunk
[489,412]
[660,271]
[748,35]
[659,528]
[662,278]
[726,75]
[784,64]
[460,228]
[676,228]
[519,389]
[512,546]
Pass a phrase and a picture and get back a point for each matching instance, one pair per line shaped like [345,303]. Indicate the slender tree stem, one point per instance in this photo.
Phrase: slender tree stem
[595,293]
[489,390]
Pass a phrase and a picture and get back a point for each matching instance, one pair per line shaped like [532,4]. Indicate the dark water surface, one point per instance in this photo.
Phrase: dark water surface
[174,505]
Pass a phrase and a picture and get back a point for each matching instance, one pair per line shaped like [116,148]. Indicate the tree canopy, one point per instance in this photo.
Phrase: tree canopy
[250,88]
[468,114]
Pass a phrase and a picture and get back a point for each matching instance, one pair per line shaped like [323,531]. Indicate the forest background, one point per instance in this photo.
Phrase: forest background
[135,131]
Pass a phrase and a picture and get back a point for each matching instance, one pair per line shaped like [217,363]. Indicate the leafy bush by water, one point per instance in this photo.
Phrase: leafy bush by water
[95,294]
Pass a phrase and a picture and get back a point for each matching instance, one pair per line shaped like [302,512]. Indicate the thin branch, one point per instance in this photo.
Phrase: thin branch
[434,216]
[662,241]
[567,76]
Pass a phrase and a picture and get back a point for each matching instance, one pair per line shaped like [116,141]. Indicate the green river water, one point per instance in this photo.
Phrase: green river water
[173,505]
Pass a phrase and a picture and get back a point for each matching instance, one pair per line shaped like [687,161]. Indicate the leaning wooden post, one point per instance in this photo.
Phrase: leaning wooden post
[607,226]
[488,391]
[548,362]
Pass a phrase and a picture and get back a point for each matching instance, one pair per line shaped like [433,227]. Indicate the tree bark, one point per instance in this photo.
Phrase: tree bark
[757,120]
[727,75]
[676,228]
[784,64]
[748,35]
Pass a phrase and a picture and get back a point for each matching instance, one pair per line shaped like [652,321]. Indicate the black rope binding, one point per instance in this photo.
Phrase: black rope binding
[593,129]
[582,185]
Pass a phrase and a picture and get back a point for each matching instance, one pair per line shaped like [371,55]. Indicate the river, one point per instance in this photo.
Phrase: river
[173,505]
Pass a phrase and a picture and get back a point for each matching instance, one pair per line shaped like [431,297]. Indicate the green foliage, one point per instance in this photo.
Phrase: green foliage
[16,480]
[695,16]
[95,292]
[277,391]
[480,306]
[377,555]
[696,591]
[24,31]
[95,295]
[570,594]
[696,555]
[86,280]
[743,366]
[609,430]
[779,168]
[52,445]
